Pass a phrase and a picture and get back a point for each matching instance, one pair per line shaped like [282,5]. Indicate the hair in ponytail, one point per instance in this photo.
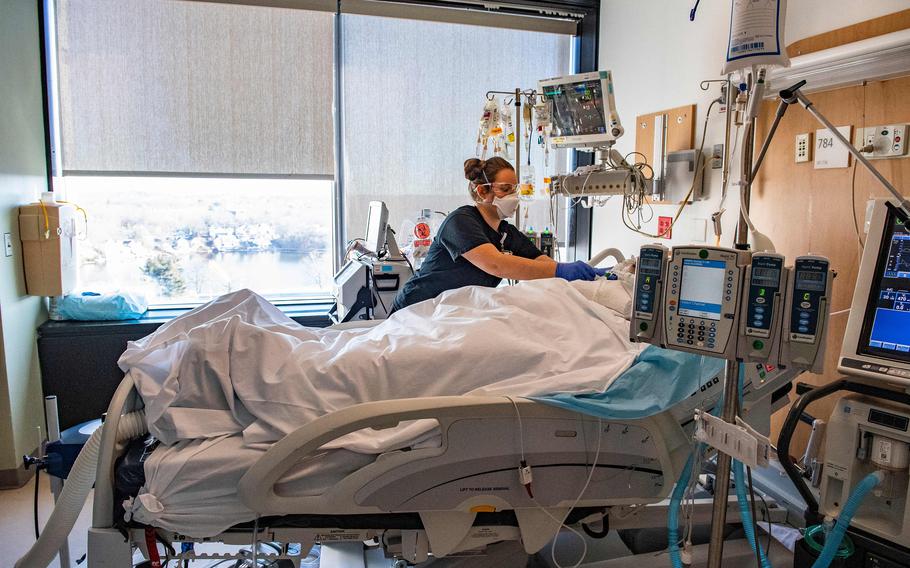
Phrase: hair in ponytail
[480,172]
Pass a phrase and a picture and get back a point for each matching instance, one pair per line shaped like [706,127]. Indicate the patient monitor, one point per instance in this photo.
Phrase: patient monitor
[366,286]
[877,340]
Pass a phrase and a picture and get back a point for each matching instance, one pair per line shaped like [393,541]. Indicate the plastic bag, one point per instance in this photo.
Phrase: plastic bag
[756,34]
[91,306]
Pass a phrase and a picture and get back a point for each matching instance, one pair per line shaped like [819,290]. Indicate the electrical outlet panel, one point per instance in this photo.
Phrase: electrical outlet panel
[803,147]
[8,244]
[878,142]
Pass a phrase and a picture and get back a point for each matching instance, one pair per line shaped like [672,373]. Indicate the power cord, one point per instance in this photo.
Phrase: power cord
[636,205]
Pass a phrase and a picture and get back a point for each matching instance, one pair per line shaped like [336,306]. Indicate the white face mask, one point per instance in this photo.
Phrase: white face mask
[506,206]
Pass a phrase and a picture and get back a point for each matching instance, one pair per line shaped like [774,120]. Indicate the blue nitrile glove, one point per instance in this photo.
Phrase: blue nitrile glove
[602,272]
[578,270]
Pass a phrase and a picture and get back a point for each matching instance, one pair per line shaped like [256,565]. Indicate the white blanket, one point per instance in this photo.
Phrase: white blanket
[239,365]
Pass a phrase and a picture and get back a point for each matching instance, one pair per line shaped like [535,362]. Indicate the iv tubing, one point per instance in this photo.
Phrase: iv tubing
[673,518]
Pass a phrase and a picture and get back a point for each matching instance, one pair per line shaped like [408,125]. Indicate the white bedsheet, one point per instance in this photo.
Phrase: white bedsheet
[239,365]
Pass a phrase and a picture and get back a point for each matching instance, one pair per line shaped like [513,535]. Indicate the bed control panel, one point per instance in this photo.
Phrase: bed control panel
[806,318]
[762,310]
[648,300]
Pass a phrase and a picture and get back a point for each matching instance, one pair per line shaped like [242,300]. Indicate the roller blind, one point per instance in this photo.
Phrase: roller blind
[194,88]
[413,93]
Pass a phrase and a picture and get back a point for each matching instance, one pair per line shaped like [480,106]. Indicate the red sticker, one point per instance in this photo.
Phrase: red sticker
[422,231]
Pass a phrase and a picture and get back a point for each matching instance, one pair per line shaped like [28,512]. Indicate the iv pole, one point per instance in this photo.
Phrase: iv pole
[517,94]
[788,96]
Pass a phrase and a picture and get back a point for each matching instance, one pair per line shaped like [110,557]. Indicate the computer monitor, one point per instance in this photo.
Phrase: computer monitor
[877,340]
[582,110]
[377,220]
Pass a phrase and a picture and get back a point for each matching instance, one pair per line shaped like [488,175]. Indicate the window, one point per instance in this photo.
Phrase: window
[182,240]
[200,137]
[413,93]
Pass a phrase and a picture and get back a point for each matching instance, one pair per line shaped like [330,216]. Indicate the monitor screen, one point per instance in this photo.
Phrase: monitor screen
[375,237]
[886,323]
[577,109]
[701,292]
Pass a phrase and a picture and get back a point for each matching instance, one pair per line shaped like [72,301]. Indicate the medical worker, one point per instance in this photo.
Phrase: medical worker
[476,246]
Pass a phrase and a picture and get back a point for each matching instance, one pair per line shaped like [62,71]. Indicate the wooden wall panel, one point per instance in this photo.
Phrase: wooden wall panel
[680,131]
[807,210]
[849,34]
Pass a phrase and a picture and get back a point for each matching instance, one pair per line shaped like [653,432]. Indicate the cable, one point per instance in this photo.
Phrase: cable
[562,523]
[770,523]
[376,291]
[521,436]
[37,476]
[754,518]
[859,236]
[685,201]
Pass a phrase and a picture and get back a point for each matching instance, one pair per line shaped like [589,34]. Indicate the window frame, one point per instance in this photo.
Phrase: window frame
[578,233]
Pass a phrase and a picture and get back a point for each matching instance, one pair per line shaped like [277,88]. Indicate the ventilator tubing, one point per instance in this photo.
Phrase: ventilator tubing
[834,538]
[673,518]
[72,499]
[745,513]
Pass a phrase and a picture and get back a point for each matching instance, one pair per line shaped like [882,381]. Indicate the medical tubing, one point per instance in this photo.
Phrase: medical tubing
[739,482]
[72,498]
[834,538]
[745,512]
[679,492]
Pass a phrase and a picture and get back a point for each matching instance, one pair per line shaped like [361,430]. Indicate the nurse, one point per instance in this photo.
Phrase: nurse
[476,246]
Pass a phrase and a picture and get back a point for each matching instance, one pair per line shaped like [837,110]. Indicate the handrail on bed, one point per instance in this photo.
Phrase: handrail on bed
[257,486]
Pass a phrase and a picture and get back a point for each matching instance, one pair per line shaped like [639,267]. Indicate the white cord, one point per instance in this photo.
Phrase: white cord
[839,312]
[562,523]
[521,435]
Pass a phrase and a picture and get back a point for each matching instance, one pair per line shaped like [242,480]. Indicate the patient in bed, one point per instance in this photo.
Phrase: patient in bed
[238,365]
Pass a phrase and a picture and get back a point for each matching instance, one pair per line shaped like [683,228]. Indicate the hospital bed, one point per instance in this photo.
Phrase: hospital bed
[457,494]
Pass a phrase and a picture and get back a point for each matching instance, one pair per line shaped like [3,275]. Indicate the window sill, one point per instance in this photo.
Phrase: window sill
[309,314]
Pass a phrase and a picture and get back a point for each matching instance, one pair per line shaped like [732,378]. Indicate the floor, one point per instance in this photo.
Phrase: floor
[17,532]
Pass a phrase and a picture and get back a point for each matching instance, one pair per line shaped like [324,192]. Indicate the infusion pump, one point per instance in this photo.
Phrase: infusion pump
[733,304]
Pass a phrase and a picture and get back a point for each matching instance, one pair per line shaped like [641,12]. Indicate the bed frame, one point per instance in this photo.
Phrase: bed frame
[442,500]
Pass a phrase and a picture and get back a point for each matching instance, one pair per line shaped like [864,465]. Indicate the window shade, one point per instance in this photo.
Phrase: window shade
[413,94]
[195,88]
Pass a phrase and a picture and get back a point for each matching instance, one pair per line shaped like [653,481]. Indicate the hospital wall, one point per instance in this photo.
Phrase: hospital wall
[22,176]
[801,209]
[658,58]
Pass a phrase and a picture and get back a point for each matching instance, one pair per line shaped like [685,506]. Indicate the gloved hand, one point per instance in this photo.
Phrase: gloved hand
[578,270]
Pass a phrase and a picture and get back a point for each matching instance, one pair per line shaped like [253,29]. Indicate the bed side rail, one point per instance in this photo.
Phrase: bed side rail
[257,487]
[125,400]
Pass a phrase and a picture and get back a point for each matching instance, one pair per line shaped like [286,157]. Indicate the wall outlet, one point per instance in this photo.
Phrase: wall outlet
[665,224]
[888,141]
[717,157]
[8,244]
[803,147]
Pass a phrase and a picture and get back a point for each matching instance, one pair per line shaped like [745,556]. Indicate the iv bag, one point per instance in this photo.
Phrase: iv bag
[486,123]
[756,34]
